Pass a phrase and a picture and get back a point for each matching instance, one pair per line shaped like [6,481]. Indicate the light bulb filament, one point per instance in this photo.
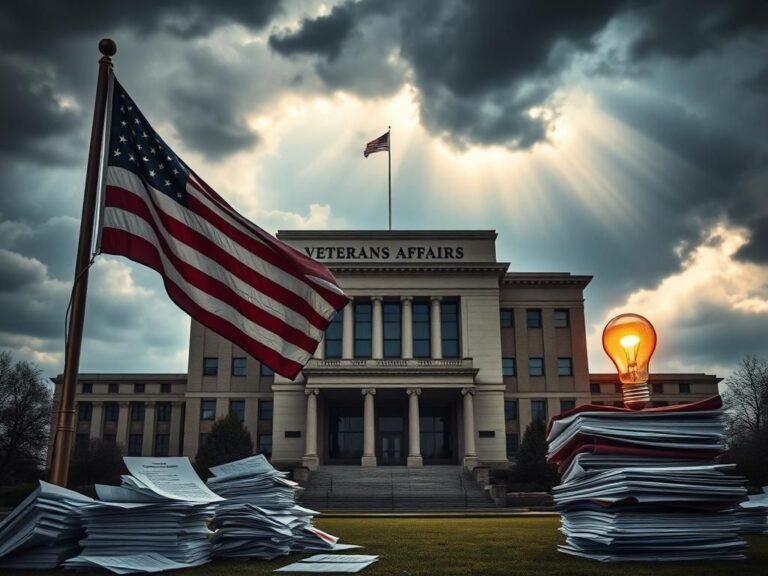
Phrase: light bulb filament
[631,345]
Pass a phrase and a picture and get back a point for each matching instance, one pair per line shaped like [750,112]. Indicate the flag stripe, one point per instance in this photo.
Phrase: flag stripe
[137,249]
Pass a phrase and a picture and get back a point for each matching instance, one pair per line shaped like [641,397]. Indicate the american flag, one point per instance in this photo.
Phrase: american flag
[381,144]
[227,273]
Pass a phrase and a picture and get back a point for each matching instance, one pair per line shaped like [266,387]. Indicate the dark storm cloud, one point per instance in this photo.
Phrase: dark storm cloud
[757,249]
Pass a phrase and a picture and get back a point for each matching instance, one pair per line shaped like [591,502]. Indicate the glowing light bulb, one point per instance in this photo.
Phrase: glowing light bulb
[630,340]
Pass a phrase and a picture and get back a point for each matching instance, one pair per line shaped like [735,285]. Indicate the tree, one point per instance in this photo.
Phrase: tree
[746,409]
[100,463]
[25,416]
[531,465]
[229,440]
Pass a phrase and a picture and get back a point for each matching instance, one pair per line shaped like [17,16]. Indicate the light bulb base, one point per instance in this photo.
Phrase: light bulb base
[636,396]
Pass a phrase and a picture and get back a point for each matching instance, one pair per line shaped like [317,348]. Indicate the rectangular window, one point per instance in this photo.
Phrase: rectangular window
[539,410]
[87,388]
[114,388]
[392,330]
[266,371]
[564,367]
[111,411]
[163,411]
[508,367]
[264,444]
[449,328]
[293,433]
[334,335]
[512,445]
[165,388]
[562,318]
[594,388]
[536,366]
[487,433]
[533,317]
[363,329]
[566,405]
[210,366]
[685,388]
[162,442]
[135,442]
[137,411]
[421,330]
[237,408]
[510,410]
[265,410]
[109,439]
[208,409]
[138,388]
[658,388]
[84,411]
[507,316]
[238,366]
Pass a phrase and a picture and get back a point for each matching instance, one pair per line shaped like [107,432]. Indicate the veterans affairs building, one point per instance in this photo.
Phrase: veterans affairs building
[443,356]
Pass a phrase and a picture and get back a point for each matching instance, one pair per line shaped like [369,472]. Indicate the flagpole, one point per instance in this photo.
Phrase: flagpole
[389,161]
[62,444]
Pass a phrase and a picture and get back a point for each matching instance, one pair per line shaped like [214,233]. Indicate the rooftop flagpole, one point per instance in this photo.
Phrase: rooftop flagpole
[389,158]
[62,444]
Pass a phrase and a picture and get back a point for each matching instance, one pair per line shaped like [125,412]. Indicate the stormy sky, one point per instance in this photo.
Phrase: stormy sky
[626,140]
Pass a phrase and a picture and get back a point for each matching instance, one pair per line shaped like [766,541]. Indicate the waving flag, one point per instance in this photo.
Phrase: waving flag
[381,144]
[224,271]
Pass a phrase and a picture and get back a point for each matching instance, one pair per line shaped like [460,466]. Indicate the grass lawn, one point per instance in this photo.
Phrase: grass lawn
[479,546]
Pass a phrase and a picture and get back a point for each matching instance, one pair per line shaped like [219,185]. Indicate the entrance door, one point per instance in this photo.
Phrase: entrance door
[391,441]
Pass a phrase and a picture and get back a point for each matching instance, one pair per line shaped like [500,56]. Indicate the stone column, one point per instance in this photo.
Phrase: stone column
[348,332]
[369,439]
[470,454]
[414,432]
[378,329]
[97,417]
[122,426]
[320,350]
[148,441]
[311,459]
[436,339]
[406,327]
[174,436]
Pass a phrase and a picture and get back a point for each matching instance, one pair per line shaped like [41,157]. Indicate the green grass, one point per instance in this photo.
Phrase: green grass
[478,546]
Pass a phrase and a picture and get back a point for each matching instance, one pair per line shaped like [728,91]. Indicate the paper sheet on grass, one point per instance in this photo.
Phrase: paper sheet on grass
[331,564]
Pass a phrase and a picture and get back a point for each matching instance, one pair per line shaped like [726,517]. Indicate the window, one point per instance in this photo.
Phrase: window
[114,388]
[487,433]
[658,388]
[265,410]
[507,316]
[539,410]
[510,410]
[87,388]
[564,367]
[237,408]
[533,318]
[293,433]
[685,388]
[264,444]
[161,444]
[111,411]
[508,367]
[238,366]
[138,388]
[137,411]
[392,320]
[135,442]
[210,366]
[536,366]
[566,405]
[84,410]
[165,388]
[512,445]
[363,329]
[594,388]
[421,330]
[266,371]
[109,439]
[449,328]
[333,336]
[562,318]
[81,443]
[163,413]
[208,409]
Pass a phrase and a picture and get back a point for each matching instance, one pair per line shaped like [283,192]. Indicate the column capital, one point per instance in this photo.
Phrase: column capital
[377,298]
[411,391]
[95,403]
[125,403]
[406,298]
[311,391]
[371,391]
[465,391]
[148,404]
[177,403]
[435,298]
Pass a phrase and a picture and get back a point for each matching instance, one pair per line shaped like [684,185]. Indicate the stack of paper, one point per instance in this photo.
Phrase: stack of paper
[44,530]
[260,518]
[643,485]
[157,520]
[753,514]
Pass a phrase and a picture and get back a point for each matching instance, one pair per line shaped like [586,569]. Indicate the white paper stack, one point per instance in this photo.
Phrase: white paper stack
[44,529]
[753,514]
[157,520]
[644,485]
[260,518]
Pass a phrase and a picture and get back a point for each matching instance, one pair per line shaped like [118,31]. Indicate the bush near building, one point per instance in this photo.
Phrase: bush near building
[229,440]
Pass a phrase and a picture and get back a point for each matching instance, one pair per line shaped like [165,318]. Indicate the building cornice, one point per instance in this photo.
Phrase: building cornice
[387,234]
[545,278]
[124,377]
[496,268]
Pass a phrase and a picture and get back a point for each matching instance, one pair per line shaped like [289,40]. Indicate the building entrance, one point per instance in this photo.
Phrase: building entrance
[392,440]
